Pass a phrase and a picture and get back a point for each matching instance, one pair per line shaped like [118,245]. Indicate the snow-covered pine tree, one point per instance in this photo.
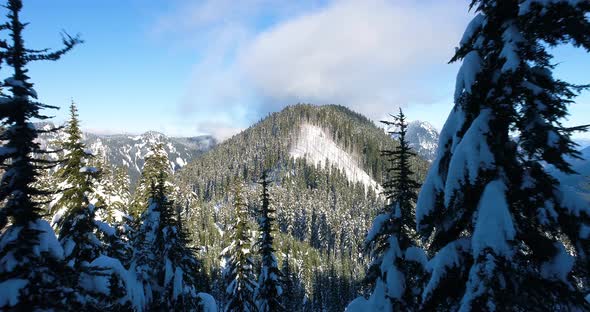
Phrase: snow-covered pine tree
[397,269]
[505,235]
[83,238]
[75,176]
[113,190]
[269,290]
[156,162]
[166,264]
[33,274]
[121,188]
[148,259]
[113,196]
[180,273]
[239,274]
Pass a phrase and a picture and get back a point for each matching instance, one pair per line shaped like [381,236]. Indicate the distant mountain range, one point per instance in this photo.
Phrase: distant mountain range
[130,150]
[423,138]
[581,181]
[583,143]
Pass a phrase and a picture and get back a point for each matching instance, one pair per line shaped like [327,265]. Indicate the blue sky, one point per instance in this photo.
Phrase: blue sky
[215,66]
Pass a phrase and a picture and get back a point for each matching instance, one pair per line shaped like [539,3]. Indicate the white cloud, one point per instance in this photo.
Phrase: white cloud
[370,55]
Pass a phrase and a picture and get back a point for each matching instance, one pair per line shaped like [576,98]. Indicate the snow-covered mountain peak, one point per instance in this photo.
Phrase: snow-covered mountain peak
[316,146]
[424,125]
[152,136]
[423,138]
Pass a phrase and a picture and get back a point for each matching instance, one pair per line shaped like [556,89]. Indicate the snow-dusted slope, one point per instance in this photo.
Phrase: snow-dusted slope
[315,145]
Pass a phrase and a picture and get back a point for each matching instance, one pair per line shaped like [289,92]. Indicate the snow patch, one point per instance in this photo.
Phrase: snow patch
[467,73]
[110,265]
[47,240]
[448,257]
[470,156]
[359,304]
[377,225]
[10,291]
[207,303]
[559,266]
[473,26]
[494,226]
[314,145]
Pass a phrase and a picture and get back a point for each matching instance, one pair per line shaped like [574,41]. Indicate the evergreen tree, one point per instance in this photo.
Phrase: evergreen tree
[269,290]
[31,259]
[148,258]
[156,162]
[83,238]
[293,290]
[505,235]
[398,268]
[288,298]
[113,196]
[239,275]
[75,177]
[113,191]
[76,228]
[167,265]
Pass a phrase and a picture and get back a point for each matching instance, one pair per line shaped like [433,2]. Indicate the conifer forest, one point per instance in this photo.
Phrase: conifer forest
[311,206]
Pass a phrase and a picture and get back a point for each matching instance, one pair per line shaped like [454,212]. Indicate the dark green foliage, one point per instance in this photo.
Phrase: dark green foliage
[293,291]
[402,188]
[21,168]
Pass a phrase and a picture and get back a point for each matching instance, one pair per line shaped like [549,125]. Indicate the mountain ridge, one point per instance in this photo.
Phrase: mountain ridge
[129,150]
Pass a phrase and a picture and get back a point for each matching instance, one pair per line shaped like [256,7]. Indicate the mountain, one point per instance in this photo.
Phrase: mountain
[583,143]
[423,138]
[130,150]
[326,171]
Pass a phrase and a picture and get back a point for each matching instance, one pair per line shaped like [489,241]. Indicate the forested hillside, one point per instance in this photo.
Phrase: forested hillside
[323,213]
